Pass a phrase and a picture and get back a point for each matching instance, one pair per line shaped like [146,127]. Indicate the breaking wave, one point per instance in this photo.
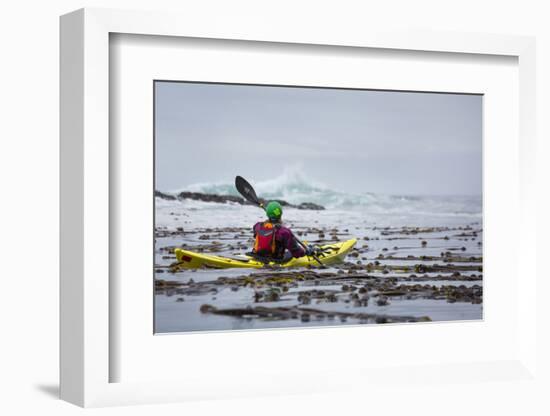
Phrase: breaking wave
[293,186]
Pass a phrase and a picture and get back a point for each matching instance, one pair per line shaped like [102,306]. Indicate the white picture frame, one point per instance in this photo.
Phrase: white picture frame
[86,331]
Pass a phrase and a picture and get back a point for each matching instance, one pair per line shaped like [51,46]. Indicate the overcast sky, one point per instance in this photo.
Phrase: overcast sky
[349,140]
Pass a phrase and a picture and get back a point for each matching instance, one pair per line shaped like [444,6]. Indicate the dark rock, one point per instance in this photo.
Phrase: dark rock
[382,301]
[272,296]
[199,196]
[165,196]
[309,205]
[331,298]
[165,284]
[207,308]
[304,298]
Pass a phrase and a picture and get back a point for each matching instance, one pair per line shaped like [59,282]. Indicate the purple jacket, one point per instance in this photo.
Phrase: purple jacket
[284,240]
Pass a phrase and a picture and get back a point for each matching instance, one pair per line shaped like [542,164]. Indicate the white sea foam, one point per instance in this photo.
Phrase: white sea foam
[295,187]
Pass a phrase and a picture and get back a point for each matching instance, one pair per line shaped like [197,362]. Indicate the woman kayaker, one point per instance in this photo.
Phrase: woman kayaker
[274,241]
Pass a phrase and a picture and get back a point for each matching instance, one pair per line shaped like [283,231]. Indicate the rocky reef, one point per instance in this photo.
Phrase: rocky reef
[199,196]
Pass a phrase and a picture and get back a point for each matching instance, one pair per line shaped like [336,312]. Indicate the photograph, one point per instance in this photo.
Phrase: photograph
[282,206]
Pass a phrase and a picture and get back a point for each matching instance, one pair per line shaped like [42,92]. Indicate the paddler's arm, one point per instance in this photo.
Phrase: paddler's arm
[290,243]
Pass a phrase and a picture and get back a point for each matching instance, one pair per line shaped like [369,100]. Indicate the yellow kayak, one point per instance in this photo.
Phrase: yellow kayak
[331,253]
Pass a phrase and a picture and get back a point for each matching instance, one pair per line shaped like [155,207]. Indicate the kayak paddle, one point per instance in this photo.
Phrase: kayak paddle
[248,192]
[305,248]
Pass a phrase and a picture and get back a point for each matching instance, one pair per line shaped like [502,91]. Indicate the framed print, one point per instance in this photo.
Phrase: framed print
[398,241]
[227,197]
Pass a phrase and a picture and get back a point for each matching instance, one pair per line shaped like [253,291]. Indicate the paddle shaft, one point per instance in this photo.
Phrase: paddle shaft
[305,248]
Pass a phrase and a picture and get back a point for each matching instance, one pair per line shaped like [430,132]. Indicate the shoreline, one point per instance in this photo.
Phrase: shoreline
[394,274]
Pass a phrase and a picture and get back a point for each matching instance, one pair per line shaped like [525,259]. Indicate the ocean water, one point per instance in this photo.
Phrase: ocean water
[341,207]
[365,216]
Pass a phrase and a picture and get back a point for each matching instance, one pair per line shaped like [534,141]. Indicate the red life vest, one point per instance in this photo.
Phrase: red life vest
[264,244]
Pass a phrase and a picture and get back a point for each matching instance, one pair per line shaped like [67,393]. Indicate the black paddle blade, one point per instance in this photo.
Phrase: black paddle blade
[246,190]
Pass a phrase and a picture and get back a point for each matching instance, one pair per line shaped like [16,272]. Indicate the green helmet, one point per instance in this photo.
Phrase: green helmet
[274,210]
